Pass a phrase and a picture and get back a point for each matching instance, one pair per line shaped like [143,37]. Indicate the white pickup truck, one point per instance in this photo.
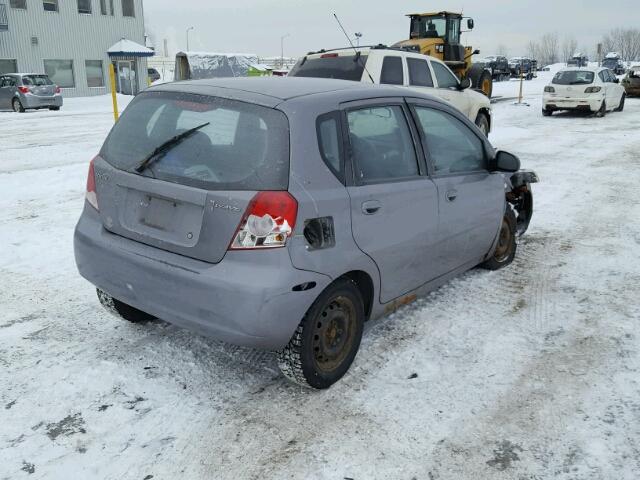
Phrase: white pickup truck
[400,67]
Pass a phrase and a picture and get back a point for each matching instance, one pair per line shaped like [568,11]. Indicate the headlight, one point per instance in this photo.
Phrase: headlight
[549,89]
[592,90]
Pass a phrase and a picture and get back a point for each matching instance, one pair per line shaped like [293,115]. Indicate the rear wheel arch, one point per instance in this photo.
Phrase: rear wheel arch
[364,283]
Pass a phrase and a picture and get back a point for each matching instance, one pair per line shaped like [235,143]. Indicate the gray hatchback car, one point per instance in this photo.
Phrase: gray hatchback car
[24,91]
[284,213]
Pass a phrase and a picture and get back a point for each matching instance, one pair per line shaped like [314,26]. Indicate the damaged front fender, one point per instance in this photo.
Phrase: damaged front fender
[520,198]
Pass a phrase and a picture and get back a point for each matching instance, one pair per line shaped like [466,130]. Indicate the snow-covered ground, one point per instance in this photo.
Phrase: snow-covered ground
[527,373]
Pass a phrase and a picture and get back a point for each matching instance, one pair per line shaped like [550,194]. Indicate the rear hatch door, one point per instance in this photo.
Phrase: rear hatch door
[191,200]
[40,85]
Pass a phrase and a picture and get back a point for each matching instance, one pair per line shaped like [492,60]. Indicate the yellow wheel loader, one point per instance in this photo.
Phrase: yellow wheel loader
[438,35]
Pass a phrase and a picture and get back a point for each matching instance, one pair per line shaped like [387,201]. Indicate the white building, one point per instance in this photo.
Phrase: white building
[74,41]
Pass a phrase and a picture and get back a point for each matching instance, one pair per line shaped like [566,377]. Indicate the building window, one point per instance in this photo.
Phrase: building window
[128,8]
[103,7]
[112,10]
[95,75]
[84,6]
[50,5]
[60,72]
[8,65]
[22,4]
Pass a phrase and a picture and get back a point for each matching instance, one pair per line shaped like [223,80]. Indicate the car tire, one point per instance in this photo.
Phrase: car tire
[327,339]
[17,106]
[621,106]
[546,112]
[55,109]
[602,111]
[482,122]
[506,246]
[122,310]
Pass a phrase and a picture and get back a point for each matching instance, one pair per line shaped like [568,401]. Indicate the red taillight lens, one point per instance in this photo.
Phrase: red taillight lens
[91,195]
[329,55]
[268,222]
[58,89]
[24,89]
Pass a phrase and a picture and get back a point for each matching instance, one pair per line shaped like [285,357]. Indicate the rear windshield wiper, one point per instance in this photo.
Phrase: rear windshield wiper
[159,152]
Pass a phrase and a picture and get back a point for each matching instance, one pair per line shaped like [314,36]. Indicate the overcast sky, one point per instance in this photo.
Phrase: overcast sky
[255,26]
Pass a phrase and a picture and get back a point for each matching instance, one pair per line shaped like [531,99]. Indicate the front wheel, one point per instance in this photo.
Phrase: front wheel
[17,106]
[621,106]
[546,112]
[327,339]
[55,109]
[505,250]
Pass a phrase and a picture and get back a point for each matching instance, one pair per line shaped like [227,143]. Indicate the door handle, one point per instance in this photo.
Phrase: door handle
[452,195]
[371,206]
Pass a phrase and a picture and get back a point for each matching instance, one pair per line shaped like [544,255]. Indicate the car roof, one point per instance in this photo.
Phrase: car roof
[369,50]
[583,69]
[271,91]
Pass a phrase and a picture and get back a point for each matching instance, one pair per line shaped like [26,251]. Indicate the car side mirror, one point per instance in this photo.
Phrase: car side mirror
[506,162]
[464,83]
[470,23]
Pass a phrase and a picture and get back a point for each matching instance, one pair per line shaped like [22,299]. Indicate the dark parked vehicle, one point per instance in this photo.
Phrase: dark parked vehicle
[283,213]
[525,66]
[154,75]
[499,67]
[578,60]
[613,62]
[631,81]
[24,91]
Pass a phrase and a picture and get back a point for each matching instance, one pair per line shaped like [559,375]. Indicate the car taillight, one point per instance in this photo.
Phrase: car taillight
[329,55]
[23,89]
[549,89]
[268,222]
[91,195]
[58,89]
[592,89]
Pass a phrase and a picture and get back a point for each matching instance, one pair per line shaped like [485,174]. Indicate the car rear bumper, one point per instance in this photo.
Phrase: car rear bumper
[561,103]
[35,101]
[246,299]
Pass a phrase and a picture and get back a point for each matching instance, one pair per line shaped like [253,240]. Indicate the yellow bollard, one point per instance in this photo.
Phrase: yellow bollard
[114,99]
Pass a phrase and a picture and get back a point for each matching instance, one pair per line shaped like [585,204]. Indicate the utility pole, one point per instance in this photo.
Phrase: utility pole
[188,30]
[358,37]
[282,50]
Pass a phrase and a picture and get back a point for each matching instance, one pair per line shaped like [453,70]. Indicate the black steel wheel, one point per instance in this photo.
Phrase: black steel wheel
[506,246]
[327,339]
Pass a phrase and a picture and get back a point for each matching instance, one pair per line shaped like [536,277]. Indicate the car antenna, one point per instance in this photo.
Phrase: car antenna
[358,57]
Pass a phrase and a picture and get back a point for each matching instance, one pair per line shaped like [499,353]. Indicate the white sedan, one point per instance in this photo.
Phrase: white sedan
[595,90]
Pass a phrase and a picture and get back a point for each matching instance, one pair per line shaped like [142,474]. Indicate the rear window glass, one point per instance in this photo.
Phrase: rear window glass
[36,80]
[243,147]
[344,67]
[391,73]
[573,77]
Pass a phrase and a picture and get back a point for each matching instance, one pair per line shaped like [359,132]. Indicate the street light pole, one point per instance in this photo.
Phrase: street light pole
[282,50]
[188,30]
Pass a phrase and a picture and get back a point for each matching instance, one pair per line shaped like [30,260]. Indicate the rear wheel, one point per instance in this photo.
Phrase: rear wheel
[621,106]
[546,112]
[121,309]
[17,106]
[482,122]
[54,108]
[602,111]
[325,343]
[506,248]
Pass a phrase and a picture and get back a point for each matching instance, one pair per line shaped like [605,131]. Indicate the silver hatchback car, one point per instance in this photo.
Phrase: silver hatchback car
[24,91]
[285,213]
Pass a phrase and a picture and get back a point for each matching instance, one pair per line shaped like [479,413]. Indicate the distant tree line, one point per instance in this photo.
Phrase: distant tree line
[551,49]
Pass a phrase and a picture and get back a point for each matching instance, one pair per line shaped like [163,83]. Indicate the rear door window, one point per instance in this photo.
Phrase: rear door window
[330,143]
[445,78]
[242,147]
[419,73]
[451,145]
[392,71]
[381,144]
[342,67]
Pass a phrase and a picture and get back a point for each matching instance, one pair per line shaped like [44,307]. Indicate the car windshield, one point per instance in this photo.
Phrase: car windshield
[36,80]
[573,77]
[240,146]
[343,67]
